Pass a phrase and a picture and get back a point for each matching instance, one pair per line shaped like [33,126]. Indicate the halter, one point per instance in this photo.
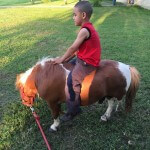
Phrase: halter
[26,100]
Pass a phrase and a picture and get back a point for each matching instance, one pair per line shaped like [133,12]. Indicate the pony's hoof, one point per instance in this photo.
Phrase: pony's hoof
[104,118]
[118,109]
[52,130]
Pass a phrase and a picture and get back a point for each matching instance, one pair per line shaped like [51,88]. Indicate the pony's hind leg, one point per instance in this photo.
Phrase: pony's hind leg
[109,110]
[119,106]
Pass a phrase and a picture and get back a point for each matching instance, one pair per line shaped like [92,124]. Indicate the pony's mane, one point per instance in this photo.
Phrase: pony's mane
[48,59]
[21,78]
[44,60]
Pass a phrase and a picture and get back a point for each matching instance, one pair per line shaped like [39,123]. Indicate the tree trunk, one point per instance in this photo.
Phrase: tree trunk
[32,1]
[65,2]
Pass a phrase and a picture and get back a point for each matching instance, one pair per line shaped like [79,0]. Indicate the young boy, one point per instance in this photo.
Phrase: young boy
[88,48]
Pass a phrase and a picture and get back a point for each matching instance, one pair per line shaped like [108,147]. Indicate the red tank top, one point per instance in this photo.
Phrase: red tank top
[90,50]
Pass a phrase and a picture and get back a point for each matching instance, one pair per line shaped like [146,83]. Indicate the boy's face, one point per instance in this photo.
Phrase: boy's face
[77,17]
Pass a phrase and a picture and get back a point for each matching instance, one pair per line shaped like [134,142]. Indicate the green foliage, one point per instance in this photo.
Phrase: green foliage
[18,2]
[32,1]
[36,2]
[45,1]
[96,3]
[28,34]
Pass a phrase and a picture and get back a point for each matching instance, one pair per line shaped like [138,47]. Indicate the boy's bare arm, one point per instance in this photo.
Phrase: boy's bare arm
[71,57]
[82,35]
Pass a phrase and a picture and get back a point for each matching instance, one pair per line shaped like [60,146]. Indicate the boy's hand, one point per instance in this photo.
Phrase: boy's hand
[57,60]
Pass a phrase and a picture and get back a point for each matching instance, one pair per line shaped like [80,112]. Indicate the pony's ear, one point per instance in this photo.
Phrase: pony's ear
[18,84]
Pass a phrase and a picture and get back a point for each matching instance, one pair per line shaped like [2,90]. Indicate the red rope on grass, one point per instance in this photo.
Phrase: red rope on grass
[37,118]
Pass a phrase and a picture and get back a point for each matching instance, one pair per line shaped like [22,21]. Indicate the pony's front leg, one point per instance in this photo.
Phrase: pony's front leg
[109,110]
[55,109]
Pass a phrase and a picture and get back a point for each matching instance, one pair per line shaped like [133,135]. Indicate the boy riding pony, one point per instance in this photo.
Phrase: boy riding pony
[88,49]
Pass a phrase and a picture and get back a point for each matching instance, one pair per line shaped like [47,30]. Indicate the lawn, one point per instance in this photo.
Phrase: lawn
[28,34]
[36,3]
[15,2]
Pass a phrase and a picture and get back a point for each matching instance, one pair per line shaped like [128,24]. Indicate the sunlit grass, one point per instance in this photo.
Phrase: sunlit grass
[28,34]
[99,21]
[25,25]
[36,3]
[16,2]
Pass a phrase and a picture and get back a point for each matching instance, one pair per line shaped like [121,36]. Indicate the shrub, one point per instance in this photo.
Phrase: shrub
[96,2]
[45,1]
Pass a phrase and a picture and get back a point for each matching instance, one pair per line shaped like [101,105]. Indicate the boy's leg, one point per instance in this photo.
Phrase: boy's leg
[79,73]
[76,78]
[73,101]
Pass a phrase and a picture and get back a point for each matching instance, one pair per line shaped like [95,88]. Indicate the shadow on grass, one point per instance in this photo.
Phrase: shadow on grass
[25,45]
[19,2]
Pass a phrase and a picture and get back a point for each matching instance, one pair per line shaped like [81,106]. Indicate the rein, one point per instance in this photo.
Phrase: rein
[29,103]
[37,118]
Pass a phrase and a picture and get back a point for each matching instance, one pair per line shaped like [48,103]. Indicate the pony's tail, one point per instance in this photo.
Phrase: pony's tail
[130,95]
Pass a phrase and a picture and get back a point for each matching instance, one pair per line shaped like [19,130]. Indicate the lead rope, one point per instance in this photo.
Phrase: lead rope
[37,118]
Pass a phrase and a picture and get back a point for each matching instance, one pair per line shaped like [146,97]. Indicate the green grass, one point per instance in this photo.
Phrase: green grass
[15,2]
[28,34]
[36,3]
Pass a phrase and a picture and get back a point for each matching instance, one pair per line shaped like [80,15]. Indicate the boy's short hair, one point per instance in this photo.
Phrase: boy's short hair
[85,6]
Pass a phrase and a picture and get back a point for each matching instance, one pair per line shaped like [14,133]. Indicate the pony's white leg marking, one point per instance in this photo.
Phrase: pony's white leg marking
[125,70]
[109,110]
[55,124]
[119,105]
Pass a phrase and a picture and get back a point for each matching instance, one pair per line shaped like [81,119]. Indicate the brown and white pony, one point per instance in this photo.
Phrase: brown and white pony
[112,80]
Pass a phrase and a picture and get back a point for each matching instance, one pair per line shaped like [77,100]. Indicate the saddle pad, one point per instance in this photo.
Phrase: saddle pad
[86,87]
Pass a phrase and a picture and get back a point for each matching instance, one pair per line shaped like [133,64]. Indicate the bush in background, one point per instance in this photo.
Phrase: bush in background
[45,1]
[96,3]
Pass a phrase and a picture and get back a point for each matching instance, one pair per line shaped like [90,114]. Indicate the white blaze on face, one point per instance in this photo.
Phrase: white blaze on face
[125,70]
[25,75]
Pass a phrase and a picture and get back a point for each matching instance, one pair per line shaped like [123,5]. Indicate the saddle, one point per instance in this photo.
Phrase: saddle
[85,88]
